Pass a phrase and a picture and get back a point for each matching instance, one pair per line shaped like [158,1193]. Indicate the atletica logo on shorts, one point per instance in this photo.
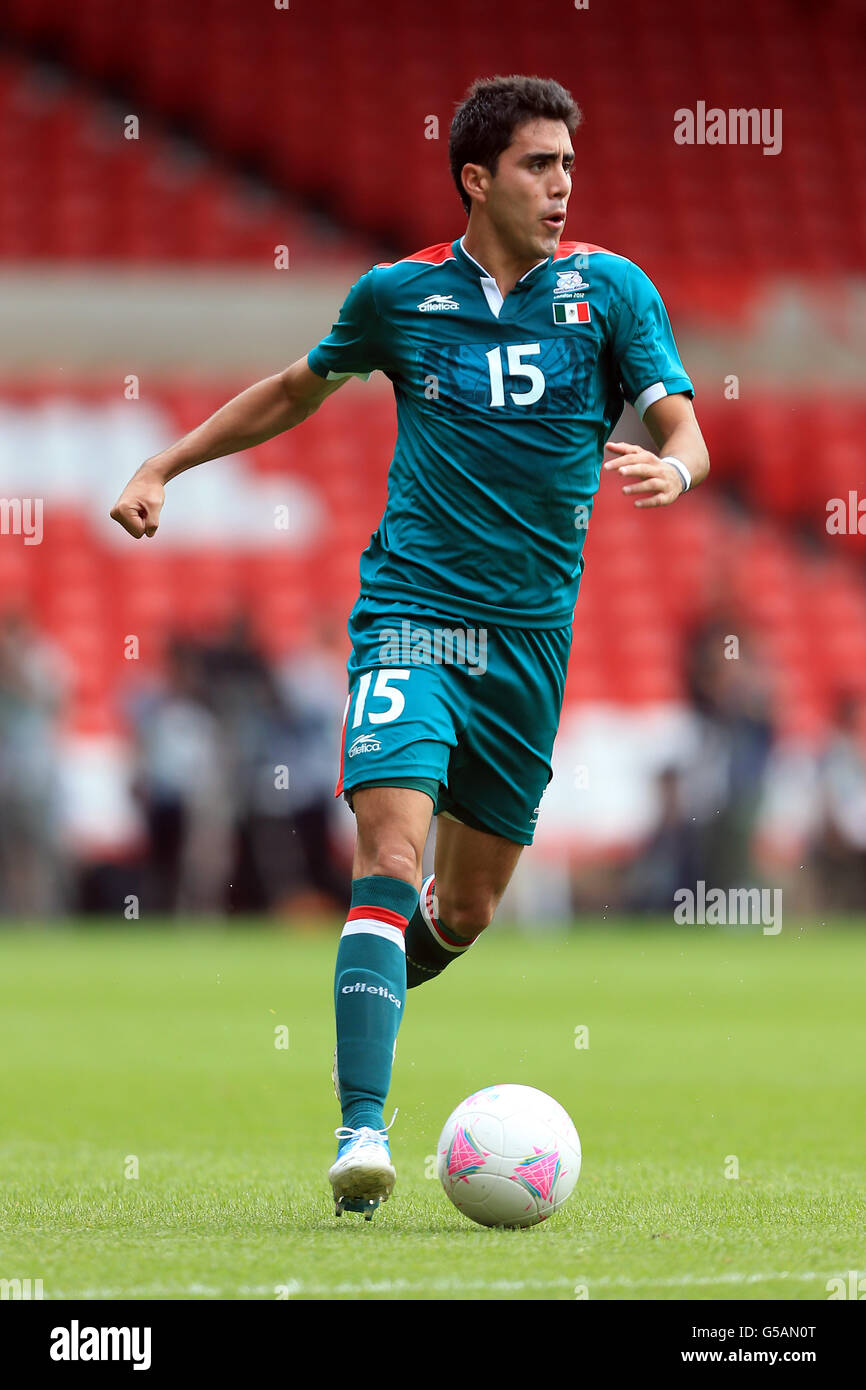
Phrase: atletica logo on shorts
[365,743]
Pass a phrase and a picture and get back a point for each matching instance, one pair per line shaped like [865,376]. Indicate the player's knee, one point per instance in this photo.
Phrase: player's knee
[467,914]
[390,858]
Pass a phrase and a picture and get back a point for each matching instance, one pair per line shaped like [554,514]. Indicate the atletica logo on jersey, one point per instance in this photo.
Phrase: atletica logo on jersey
[571,313]
[365,743]
[569,282]
[435,302]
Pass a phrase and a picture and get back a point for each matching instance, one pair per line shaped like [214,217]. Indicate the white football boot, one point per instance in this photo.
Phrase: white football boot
[363,1174]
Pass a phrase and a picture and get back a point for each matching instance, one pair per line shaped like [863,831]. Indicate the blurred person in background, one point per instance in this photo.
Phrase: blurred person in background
[312,683]
[235,774]
[723,783]
[185,780]
[281,725]
[668,859]
[33,686]
[710,800]
[256,739]
[840,838]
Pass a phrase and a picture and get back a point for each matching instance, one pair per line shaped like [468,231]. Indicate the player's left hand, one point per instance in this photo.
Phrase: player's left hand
[658,483]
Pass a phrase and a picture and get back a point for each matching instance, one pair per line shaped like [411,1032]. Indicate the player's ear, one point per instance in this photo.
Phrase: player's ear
[476,181]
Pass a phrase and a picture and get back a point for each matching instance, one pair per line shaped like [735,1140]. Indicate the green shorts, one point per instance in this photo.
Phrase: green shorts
[467,714]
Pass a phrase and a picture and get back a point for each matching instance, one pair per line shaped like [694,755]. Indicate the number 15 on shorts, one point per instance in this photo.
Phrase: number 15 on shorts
[382,690]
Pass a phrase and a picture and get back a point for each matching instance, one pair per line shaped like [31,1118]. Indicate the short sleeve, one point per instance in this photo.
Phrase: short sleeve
[643,345]
[355,345]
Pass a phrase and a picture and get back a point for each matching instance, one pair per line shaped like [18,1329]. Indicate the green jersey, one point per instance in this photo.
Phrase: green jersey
[503,410]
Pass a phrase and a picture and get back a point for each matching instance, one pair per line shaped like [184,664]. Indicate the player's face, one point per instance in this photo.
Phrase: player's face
[527,198]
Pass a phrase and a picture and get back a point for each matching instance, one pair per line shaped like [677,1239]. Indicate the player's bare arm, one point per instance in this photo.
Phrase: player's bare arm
[671,422]
[270,407]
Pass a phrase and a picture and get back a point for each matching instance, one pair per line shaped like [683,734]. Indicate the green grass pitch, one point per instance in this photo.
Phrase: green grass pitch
[152,1050]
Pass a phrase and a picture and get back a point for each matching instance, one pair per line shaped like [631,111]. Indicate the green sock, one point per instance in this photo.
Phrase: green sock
[430,945]
[369,994]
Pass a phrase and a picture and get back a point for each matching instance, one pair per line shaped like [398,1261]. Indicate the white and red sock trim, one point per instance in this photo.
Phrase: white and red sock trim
[377,921]
[429,904]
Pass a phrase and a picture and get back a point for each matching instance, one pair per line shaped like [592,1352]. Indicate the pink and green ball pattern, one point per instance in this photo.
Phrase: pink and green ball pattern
[509,1155]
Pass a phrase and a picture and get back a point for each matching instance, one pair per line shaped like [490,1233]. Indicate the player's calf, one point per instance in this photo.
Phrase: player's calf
[431,943]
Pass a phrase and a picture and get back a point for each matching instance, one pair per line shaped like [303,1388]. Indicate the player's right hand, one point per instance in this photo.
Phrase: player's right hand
[138,507]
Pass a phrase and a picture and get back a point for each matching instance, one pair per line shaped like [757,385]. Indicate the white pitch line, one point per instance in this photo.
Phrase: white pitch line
[446,1286]
[689,1280]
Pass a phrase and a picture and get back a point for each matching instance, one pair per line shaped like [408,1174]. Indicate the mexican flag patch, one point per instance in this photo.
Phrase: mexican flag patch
[571,313]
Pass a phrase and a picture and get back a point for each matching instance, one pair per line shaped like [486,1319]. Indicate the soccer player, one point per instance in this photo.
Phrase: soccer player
[510,352]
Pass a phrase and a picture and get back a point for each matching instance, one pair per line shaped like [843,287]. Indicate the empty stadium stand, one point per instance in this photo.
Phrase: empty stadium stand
[312,106]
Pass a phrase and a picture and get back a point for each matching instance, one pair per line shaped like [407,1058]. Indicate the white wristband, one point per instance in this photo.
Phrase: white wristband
[681,469]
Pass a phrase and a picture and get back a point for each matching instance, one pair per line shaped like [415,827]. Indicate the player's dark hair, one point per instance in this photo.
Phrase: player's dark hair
[493,108]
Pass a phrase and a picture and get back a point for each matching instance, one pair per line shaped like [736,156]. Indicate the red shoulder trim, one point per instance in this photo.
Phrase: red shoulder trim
[431,255]
[571,248]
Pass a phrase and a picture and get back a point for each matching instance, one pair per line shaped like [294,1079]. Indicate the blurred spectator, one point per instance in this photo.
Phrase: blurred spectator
[668,860]
[730,693]
[840,840]
[185,782]
[237,764]
[288,859]
[313,685]
[709,798]
[33,683]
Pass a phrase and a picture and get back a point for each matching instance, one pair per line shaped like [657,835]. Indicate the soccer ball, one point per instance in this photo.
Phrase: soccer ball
[508,1156]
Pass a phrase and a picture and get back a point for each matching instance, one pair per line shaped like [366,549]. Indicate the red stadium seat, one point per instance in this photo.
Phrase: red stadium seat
[245,82]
